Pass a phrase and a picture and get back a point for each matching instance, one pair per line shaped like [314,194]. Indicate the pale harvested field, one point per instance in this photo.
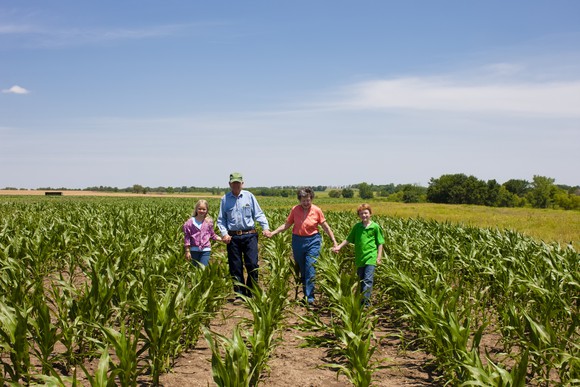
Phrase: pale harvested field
[6,192]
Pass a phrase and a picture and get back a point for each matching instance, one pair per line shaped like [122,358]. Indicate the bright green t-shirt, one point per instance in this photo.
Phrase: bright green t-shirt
[366,243]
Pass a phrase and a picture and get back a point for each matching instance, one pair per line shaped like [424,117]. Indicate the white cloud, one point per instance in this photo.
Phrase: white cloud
[448,94]
[9,29]
[16,90]
[504,69]
[45,37]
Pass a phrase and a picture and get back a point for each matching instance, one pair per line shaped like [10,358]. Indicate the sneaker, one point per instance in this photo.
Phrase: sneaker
[238,301]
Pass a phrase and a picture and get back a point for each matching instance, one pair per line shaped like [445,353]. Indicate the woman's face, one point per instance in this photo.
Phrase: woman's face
[306,202]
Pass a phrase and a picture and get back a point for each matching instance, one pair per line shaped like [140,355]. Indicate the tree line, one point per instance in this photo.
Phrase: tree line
[541,192]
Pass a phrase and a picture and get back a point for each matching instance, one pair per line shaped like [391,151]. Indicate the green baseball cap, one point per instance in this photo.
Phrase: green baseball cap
[236,176]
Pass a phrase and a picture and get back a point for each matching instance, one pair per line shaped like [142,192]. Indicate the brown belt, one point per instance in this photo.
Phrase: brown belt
[242,232]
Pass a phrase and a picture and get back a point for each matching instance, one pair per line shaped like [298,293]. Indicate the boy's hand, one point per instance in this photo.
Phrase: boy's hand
[335,249]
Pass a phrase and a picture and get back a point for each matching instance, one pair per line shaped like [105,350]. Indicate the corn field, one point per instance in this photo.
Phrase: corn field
[105,280]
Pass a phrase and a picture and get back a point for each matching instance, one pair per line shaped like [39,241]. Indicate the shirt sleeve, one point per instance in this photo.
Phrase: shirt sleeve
[186,235]
[259,214]
[380,236]
[222,220]
[290,219]
[210,230]
[321,218]
[351,234]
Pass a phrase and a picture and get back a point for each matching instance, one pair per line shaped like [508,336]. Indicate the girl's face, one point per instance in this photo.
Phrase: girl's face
[364,215]
[201,210]
[306,202]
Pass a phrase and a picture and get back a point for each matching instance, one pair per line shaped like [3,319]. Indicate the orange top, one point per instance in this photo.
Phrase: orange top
[305,223]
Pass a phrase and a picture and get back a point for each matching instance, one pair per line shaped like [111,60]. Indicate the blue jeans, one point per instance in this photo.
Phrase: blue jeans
[200,257]
[243,251]
[366,275]
[306,250]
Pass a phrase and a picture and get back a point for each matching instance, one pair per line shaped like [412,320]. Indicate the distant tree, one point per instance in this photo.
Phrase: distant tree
[457,189]
[566,200]
[138,188]
[517,186]
[347,193]
[334,193]
[365,191]
[412,193]
[492,195]
[542,192]
[506,198]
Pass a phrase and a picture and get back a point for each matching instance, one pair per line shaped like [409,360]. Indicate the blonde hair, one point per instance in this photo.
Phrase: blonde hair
[200,203]
[363,207]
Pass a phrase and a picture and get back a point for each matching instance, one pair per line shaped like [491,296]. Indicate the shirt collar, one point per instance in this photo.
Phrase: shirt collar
[234,196]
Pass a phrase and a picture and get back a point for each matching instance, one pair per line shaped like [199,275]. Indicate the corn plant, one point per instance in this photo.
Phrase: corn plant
[234,369]
[102,377]
[68,321]
[126,345]
[267,309]
[495,375]
[161,327]
[352,323]
[202,297]
[44,333]
[14,340]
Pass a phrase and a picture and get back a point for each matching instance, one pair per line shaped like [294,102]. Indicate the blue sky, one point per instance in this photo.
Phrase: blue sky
[181,93]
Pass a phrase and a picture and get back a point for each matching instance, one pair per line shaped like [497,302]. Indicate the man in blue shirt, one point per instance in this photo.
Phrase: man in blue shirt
[238,214]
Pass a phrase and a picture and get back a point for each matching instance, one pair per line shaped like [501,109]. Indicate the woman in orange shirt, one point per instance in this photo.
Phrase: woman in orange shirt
[306,217]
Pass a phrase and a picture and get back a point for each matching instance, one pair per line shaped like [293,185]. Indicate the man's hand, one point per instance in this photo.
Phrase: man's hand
[227,239]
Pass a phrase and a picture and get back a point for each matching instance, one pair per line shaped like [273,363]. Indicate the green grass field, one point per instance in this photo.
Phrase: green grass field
[545,224]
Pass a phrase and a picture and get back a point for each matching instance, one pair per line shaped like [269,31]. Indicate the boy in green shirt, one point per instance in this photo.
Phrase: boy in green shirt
[368,240]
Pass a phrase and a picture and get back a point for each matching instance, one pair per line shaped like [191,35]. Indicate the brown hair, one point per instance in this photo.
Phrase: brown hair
[304,192]
[363,207]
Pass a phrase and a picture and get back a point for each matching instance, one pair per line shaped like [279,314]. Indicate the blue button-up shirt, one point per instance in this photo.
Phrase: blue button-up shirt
[240,212]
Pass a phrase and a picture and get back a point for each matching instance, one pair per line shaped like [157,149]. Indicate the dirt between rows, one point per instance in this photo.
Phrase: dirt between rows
[295,365]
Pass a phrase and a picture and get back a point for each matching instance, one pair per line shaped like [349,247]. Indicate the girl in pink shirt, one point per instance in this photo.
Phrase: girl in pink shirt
[306,217]
[198,231]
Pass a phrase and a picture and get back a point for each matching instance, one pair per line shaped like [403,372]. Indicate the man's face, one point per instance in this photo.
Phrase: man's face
[236,187]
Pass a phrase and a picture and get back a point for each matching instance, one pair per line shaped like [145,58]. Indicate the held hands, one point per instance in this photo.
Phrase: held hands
[267,233]
[335,249]
[227,239]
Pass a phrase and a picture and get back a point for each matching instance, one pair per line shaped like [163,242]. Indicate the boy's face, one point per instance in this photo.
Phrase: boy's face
[364,215]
